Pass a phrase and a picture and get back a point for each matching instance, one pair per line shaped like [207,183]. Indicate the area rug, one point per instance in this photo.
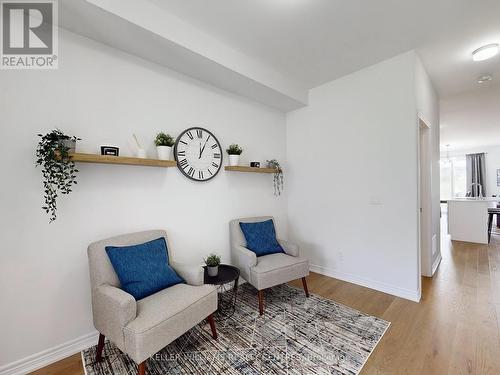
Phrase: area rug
[296,335]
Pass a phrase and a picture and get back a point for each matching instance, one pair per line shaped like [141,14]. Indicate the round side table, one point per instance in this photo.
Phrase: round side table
[226,303]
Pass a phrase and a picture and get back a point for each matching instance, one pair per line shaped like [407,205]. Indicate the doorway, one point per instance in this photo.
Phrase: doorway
[424,200]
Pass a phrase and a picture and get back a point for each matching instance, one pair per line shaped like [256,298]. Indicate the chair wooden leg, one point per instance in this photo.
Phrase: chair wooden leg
[261,302]
[141,368]
[100,347]
[304,284]
[211,320]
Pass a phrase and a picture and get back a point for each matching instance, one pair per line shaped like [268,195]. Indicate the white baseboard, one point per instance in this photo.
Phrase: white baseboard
[411,295]
[46,357]
[436,263]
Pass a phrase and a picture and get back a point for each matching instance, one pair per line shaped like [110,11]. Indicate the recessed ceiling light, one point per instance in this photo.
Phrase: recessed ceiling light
[485,52]
[484,78]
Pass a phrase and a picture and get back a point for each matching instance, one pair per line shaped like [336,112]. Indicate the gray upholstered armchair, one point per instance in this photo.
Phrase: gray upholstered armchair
[269,270]
[142,328]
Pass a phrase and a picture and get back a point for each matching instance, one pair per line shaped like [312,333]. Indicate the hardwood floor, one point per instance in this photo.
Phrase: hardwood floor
[453,330]
[68,366]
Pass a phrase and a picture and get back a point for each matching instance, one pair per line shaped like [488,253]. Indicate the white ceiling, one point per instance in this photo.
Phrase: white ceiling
[471,119]
[316,41]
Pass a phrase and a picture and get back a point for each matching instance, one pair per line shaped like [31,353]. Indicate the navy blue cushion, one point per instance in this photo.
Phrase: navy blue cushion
[261,237]
[143,269]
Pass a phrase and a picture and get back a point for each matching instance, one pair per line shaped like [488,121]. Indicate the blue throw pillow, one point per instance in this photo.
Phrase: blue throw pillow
[261,237]
[143,269]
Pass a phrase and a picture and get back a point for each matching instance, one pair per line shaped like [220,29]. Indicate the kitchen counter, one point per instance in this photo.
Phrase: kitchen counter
[468,218]
[474,199]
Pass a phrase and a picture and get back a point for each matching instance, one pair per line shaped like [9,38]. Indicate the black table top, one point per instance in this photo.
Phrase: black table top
[226,275]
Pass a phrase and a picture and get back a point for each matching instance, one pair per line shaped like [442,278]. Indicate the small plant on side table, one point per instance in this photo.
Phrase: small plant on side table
[164,143]
[277,177]
[58,170]
[212,262]
[234,151]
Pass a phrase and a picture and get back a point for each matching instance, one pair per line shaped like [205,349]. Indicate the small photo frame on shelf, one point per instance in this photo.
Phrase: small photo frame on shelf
[110,151]
[255,164]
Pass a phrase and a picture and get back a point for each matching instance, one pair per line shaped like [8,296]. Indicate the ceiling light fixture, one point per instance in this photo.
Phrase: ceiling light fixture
[485,52]
[447,160]
[484,78]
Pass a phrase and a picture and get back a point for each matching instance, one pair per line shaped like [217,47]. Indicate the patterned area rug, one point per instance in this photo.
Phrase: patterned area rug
[296,335]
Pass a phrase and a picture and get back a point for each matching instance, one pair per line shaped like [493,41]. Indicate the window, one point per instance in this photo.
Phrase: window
[453,177]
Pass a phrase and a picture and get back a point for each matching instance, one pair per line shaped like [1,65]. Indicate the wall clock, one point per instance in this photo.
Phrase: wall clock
[198,154]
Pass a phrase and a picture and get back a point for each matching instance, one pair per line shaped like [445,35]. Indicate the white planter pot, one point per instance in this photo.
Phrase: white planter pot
[213,271]
[164,152]
[234,160]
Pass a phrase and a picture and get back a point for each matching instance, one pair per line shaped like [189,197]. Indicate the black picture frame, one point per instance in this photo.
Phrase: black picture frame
[177,159]
[110,151]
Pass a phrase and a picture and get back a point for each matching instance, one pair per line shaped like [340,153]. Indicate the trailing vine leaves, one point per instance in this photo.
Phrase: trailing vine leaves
[58,170]
[277,177]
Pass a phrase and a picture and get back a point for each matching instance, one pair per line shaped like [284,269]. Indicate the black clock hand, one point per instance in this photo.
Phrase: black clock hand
[203,149]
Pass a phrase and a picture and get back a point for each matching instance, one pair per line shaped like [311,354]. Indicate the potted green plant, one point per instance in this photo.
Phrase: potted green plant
[58,170]
[164,143]
[212,262]
[234,151]
[277,177]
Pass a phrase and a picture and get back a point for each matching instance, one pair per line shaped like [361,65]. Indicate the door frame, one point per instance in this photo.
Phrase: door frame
[424,200]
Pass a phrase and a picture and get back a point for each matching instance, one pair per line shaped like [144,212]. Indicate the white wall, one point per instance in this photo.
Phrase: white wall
[428,111]
[352,181]
[492,165]
[103,96]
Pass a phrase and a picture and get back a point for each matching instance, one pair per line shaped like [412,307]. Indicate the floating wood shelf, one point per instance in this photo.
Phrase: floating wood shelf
[250,169]
[124,160]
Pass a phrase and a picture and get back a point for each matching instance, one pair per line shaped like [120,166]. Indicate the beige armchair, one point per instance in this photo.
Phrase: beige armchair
[142,328]
[269,270]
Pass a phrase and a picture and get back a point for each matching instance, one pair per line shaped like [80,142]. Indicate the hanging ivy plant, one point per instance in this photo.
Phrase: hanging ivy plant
[58,170]
[277,177]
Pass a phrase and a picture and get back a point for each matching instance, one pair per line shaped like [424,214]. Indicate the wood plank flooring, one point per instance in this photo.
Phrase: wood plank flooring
[453,330]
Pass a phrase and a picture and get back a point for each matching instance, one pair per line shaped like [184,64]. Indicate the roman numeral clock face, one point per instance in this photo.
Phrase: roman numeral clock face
[198,154]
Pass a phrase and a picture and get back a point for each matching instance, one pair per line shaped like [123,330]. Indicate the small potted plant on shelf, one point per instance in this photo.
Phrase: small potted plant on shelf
[58,170]
[164,143]
[234,151]
[212,262]
[277,177]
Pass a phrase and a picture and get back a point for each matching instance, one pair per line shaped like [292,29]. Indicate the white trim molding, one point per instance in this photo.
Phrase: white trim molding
[411,295]
[48,356]
[436,264]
